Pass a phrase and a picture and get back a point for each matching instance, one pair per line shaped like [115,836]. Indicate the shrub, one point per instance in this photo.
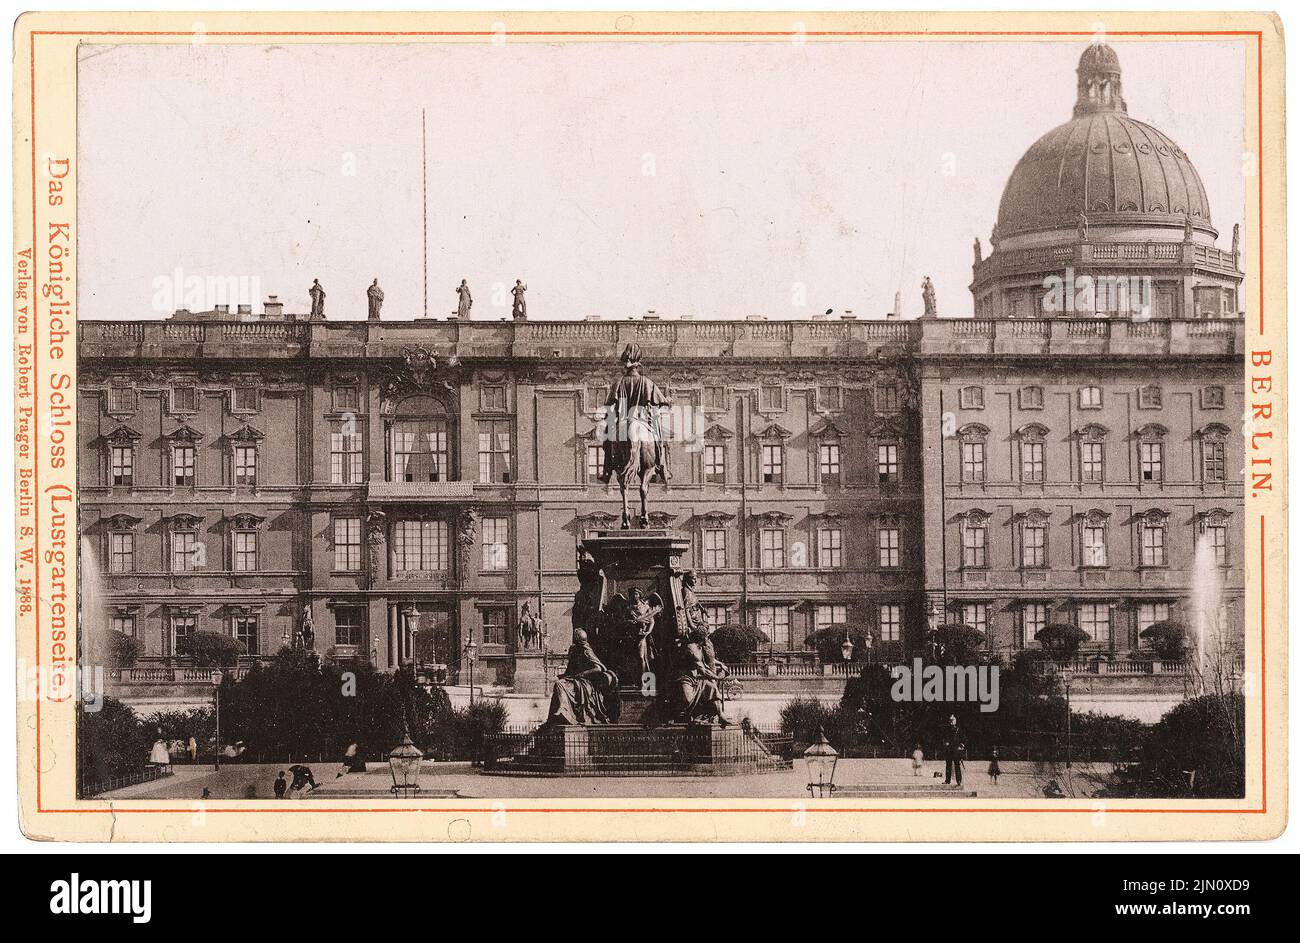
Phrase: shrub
[737,644]
[110,742]
[961,644]
[114,649]
[1061,639]
[1168,640]
[1198,748]
[829,641]
[212,649]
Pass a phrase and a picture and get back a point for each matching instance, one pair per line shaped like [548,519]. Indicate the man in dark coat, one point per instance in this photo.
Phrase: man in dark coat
[954,745]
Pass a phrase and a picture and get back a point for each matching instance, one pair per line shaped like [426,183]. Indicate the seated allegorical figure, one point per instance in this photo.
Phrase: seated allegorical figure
[587,692]
[697,683]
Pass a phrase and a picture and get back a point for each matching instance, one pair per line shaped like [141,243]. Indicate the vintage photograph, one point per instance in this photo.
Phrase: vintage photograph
[499,419]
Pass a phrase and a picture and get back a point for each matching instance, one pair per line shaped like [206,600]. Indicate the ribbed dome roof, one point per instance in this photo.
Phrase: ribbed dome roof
[1100,163]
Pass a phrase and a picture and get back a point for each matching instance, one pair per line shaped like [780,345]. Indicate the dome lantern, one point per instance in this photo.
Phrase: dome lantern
[1100,86]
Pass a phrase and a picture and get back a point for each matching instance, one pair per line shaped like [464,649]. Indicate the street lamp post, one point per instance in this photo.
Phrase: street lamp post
[216,708]
[1067,675]
[846,648]
[404,764]
[470,650]
[820,758]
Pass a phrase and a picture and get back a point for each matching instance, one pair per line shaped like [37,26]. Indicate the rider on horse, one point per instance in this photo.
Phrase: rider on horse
[634,399]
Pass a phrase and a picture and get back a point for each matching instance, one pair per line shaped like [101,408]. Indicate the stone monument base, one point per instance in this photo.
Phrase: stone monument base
[631,750]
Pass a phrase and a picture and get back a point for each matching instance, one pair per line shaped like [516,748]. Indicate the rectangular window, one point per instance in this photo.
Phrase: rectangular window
[1148,615]
[891,622]
[1031,462]
[185,399]
[492,397]
[183,626]
[829,460]
[496,543]
[183,465]
[1094,619]
[1215,466]
[773,464]
[245,465]
[974,546]
[495,625]
[348,626]
[1090,397]
[887,462]
[187,554]
[830,541]
[976,615]
[595,462]
[1033,619]
[774,622]
[1033,545]
[420,450]
[595,398]
[1094,545]
[244,546]
[1150,397]
[123,624]
[972,397]
[773,397]
[972,461]
[346,399]
[887,541]
[1031,397]
[1153,545]
[121,399]
[494,452]
[887,399]
[421,546]
[244,628]
[347,544]
[1153,460]
[121,552]
[1212,397]
[244,399]
[716,616]
[121,465]
[1216,535]
[715,464]
[772,541]
[345,458]
[1091,457]
[715,548]
[715,397]
[828,397]
[826,616]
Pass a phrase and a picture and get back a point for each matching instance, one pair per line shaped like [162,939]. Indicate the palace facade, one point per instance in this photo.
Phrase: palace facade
[413,483]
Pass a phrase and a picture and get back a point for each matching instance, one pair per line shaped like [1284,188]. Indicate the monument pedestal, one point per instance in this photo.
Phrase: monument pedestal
[530,673]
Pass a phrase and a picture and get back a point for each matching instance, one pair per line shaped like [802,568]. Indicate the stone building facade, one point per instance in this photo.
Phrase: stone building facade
[413,483]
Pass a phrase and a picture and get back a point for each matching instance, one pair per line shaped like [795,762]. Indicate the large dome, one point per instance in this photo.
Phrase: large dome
[1104,164]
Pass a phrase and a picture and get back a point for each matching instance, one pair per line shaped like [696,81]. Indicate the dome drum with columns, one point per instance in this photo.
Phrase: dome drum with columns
[1106,195]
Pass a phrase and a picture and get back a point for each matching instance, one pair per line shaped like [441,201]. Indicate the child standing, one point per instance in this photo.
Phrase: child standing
[917,757]
[994,770]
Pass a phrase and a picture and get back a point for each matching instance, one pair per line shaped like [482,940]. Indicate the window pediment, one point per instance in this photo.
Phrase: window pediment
[773,518]
[123,522]
[1152,430]
[828,429]
[185,435]
[773,432]
[184,521]
[246,521]
[1032,516]
[714,518]
[1093,432]
[1033,432]
[717,432]
[1215,430]
[246,435]
[122,435]
[973,431]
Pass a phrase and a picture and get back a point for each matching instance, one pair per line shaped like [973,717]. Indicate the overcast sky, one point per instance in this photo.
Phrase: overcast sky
[691,178]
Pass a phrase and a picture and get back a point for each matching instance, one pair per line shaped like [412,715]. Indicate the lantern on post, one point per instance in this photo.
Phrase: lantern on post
[404,764]
[820,758]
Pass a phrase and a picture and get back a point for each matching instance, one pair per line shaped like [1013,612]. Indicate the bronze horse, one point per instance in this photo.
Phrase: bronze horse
[634,461]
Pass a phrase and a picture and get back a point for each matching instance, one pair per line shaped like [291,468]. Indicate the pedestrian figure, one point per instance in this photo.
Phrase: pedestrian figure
[917,758]
[158,754]
[193,748]
[280,785]
[953,748]
[349,760]
[302,777]
[994,769]
[207,793]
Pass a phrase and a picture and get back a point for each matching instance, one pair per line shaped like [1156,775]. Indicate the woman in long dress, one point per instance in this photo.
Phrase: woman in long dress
[159,755]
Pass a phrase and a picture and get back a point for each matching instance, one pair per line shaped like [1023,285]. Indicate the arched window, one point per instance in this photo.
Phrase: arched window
[417,441]
[1033,453]
[1151,453]
[1214,465]
[973,437]
[975,540]
[1092,453]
